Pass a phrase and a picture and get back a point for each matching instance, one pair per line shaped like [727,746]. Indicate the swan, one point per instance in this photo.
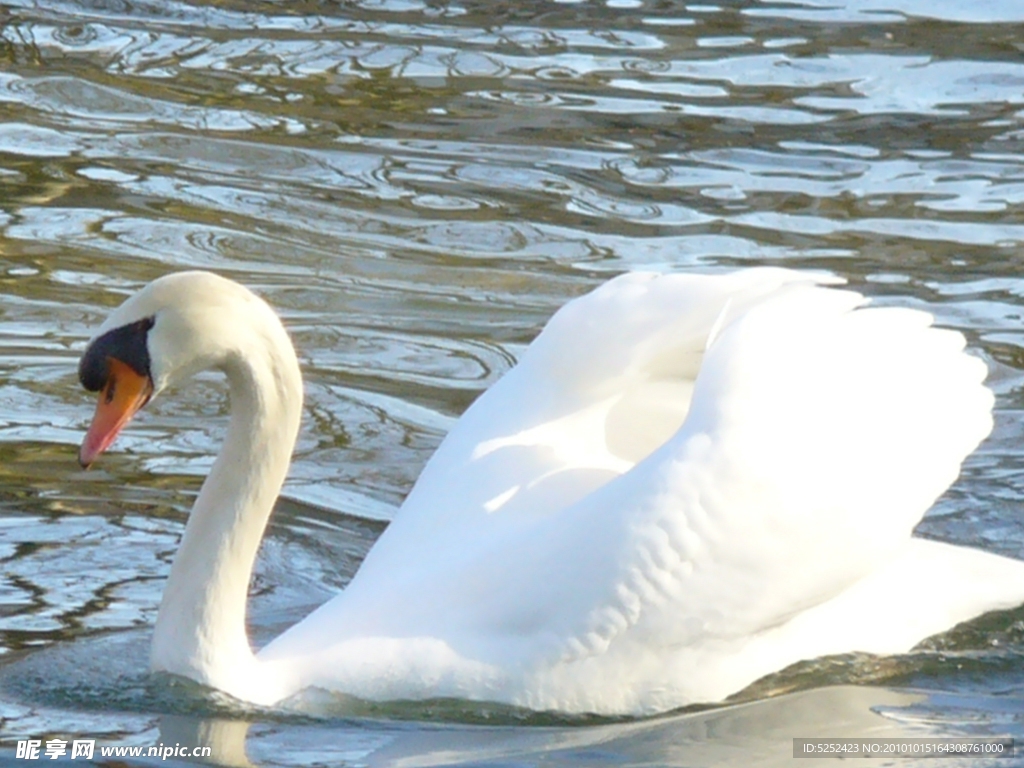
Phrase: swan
[687,482]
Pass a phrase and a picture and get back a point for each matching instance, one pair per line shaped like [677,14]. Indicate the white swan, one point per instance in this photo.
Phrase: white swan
[687,482]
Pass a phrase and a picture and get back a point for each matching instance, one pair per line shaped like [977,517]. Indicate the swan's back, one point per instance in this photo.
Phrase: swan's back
[678,467]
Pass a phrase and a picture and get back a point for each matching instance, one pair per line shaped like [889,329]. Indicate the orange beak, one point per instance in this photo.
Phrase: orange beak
[121,397]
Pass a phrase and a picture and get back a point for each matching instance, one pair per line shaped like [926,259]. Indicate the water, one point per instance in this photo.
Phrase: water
[417,186]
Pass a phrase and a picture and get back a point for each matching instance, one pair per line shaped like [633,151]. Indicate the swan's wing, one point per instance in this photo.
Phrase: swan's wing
[608,380]
[818,435]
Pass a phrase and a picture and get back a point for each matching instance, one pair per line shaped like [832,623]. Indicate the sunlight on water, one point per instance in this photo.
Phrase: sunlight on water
[417,186]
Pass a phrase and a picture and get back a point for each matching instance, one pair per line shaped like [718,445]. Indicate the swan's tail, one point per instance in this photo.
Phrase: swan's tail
[929,588]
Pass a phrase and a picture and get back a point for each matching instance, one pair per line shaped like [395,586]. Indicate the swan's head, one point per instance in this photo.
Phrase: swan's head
[174,327]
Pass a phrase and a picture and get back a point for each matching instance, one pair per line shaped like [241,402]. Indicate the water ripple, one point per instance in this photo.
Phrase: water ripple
[417,187]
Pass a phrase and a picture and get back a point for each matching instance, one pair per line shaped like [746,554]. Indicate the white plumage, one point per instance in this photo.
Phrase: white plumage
[688,482]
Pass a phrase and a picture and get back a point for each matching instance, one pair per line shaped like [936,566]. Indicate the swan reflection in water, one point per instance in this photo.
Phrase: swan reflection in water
[753,735]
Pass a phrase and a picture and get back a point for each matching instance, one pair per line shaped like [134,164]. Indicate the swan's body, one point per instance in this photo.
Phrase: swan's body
[686,483]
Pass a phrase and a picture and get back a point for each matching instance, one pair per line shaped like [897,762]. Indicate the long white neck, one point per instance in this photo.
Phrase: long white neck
[200,630]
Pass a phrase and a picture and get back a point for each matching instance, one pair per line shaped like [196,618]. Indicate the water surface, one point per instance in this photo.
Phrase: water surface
[417,186]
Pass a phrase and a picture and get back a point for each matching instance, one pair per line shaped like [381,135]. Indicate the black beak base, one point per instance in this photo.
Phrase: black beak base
[127,344]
